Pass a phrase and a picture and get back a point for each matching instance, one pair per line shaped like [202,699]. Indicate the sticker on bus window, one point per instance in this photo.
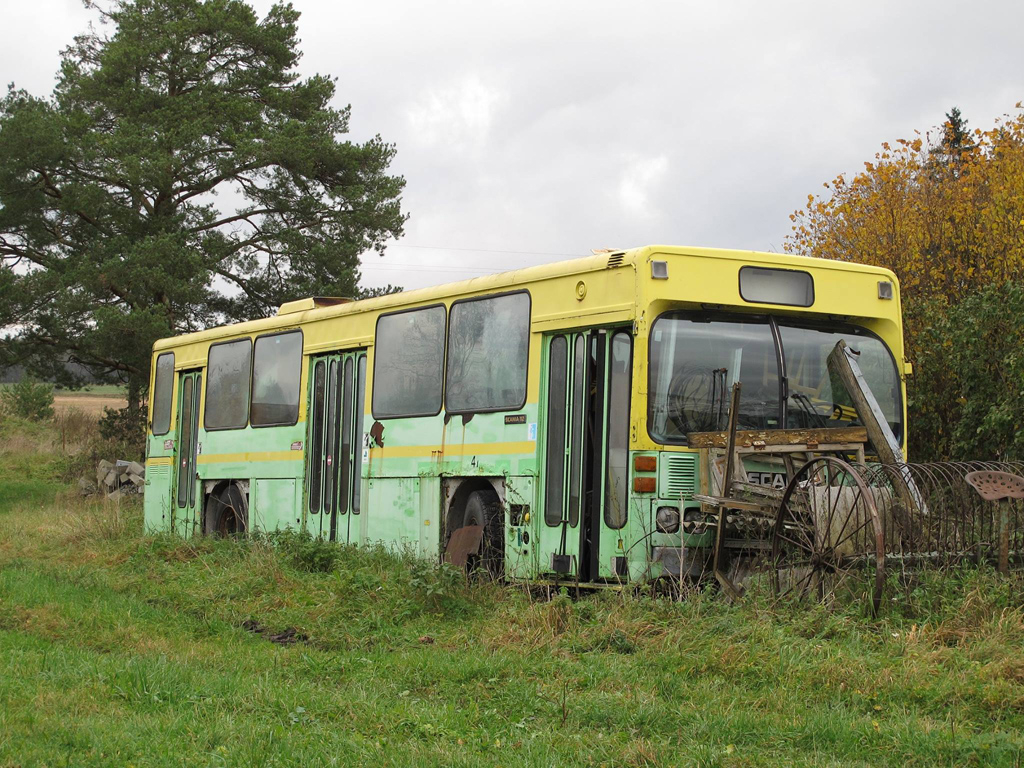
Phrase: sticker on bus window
[366,455]
[531,431]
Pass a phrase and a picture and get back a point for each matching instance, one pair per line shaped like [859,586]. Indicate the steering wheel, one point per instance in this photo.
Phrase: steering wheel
[688,400]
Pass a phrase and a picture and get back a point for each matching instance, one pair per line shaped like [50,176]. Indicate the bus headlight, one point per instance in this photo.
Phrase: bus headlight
[667,519]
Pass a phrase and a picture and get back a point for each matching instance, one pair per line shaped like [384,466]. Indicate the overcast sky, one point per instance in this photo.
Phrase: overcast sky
[532,131]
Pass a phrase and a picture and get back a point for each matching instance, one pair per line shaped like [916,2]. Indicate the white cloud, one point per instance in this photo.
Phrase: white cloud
[640,182]
[457,116]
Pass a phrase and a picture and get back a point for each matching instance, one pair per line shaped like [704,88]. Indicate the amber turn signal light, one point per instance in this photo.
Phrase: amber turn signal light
[644,484]
[645,463]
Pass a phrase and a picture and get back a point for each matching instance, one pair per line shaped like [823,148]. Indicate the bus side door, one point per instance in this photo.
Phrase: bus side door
[185,519]
[335,446]
[585,463]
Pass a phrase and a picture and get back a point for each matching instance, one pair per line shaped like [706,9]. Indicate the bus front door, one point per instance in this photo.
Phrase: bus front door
[586,439]
[185,519]
[335,447]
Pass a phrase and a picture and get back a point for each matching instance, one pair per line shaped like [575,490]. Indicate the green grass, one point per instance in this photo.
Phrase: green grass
[123,649]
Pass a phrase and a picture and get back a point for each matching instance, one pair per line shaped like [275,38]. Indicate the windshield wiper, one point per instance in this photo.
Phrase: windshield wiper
[809,410]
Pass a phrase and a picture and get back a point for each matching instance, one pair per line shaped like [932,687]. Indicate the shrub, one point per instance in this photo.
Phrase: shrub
[436,583]
[305,552]
[29,399]
[124,431]
[967,395]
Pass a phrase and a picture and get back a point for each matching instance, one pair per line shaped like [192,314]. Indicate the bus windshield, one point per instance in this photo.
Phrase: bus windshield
[696,358]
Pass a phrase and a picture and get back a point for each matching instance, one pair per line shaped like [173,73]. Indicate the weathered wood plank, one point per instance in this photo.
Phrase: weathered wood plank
[843,362]
[745,505]
[770,437]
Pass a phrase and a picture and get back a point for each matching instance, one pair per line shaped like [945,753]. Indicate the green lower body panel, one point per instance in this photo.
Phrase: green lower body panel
[274,504]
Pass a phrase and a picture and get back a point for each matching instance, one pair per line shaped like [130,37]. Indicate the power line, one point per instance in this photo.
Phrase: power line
[438,268]
[484,250]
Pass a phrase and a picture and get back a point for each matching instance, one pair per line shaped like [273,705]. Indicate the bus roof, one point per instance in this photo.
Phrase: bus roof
[319,308]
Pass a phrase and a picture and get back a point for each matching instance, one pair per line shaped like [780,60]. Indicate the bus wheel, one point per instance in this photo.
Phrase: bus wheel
[227,512]
[483,508]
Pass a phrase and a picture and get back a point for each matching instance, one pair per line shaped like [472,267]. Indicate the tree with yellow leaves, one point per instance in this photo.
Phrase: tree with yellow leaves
[945,212]
[947,218]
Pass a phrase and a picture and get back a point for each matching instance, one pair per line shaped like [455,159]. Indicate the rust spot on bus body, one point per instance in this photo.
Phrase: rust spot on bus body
[377,433]
[462,453]
[438,455]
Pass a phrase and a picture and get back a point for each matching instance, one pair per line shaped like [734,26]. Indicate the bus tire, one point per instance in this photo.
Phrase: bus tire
[227,513]
[484,508]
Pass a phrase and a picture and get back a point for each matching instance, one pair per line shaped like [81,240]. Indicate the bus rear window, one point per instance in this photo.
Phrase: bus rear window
[276,368]
[408,360]
[227,385]
[163,384]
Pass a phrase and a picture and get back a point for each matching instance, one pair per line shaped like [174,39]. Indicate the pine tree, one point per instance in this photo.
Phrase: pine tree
[181,174]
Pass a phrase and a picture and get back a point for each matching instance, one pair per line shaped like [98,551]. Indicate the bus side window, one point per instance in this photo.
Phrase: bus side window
[276,372]
[488,348]
[408,363]
[227,385]
[163,386]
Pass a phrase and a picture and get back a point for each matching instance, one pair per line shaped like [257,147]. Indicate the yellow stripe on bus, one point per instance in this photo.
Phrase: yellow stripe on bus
[388,452]
[234,458]
[160,461]
[458,449]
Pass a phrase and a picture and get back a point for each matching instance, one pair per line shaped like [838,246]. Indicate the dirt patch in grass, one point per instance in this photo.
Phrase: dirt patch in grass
[287,636]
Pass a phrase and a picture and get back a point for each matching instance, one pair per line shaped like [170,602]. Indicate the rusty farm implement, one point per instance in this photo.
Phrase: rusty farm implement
[850,506]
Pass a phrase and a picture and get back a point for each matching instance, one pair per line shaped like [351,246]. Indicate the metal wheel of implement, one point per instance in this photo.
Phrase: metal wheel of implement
[828,540]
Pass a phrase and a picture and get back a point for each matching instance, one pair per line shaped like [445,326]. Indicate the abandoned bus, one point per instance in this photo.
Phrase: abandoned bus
[550,408]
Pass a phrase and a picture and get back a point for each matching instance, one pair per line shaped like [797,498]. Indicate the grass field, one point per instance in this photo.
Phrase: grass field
[122,649]
[92,399]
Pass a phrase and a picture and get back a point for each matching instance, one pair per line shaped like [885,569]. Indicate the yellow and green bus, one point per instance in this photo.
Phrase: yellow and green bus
[550,405]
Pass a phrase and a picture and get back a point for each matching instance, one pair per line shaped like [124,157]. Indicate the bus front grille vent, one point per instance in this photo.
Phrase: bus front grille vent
[158,470]
[680,475]
[615,260]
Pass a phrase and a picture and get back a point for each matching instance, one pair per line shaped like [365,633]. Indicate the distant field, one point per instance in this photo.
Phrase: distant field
[92,399]
[90,402]
[111,390]
[121,649]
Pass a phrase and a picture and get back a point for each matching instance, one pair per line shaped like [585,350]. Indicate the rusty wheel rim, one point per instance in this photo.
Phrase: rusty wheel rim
[226,525]
[828,537]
